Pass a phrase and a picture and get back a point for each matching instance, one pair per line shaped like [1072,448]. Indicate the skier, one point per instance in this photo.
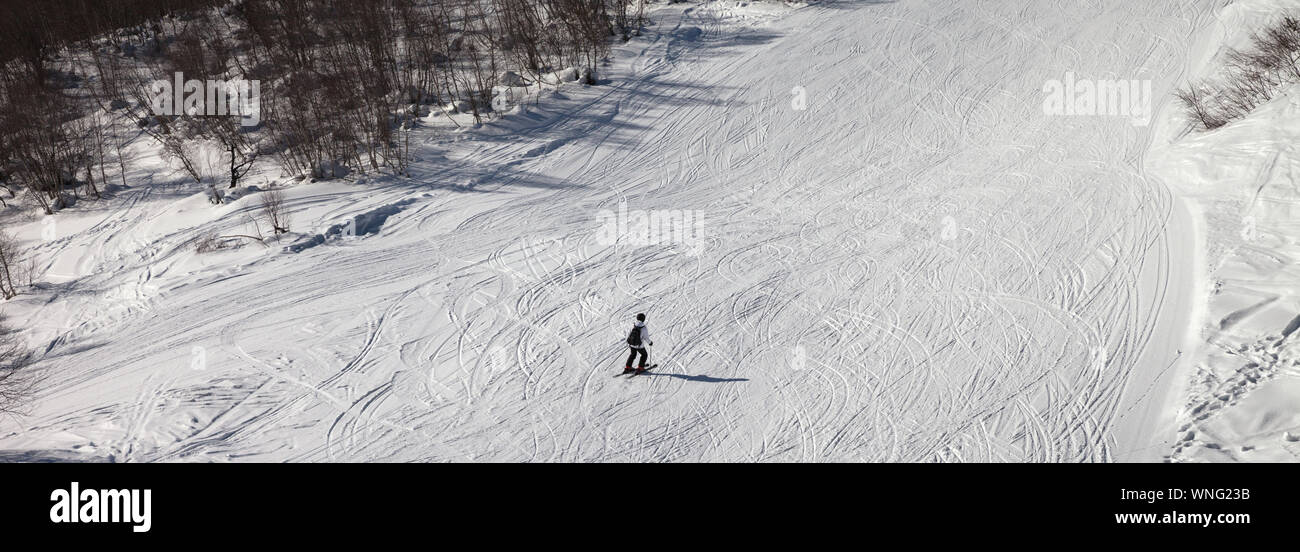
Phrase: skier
[637,340]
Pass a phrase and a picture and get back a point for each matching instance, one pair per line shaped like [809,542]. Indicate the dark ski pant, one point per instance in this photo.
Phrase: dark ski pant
[635,351]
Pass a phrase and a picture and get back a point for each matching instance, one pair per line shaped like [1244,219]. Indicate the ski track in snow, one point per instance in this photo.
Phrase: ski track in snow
[833,313]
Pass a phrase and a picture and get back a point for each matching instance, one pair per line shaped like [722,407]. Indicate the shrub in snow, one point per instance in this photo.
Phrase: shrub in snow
[1251,77]
[17,381]
[207,243]
[214,194]
[11,266]
[274,212]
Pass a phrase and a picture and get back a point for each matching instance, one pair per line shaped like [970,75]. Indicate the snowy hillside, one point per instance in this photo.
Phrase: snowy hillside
[1241,404]
[882,247]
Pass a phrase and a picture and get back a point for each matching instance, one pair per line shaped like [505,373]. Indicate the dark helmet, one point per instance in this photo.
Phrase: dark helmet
[640,317]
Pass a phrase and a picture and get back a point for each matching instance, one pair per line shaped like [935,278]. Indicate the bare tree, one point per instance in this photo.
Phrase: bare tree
[1195,103]
[273,210]
[11,266]
[18,379]
[45,153]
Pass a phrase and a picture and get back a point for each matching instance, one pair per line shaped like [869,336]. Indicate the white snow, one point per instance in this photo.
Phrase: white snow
[1241,402]
[901,257]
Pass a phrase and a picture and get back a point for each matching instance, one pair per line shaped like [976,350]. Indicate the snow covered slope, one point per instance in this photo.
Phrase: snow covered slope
[1241,403]
[901,258]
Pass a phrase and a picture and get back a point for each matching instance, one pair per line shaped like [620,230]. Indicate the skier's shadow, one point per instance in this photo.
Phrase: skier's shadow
[700,378]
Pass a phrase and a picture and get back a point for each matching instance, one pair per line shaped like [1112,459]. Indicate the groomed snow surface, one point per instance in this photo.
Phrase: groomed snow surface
[894,255]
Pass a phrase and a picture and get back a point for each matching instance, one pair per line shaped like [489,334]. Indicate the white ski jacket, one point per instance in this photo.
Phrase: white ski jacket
[645,334]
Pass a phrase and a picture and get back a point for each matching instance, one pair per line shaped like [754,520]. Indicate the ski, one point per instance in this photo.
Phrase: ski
[630,373]
[647,369]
